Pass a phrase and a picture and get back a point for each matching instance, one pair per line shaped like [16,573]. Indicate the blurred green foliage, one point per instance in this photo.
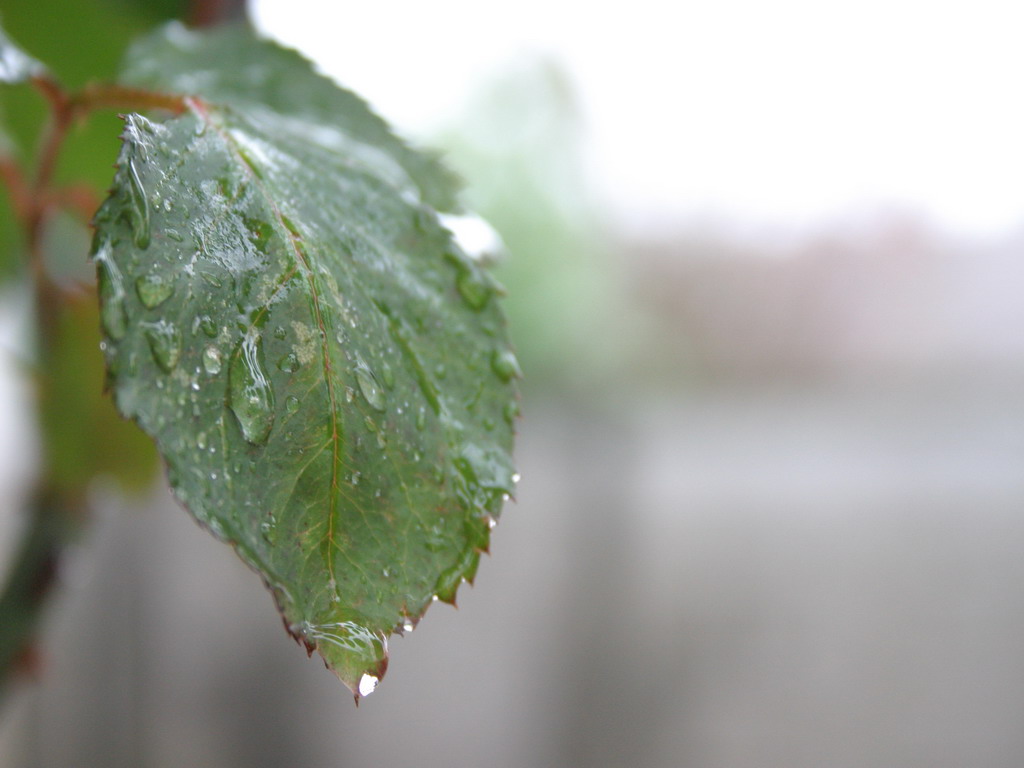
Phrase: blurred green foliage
[80,42]
[85,436]
[10,240]
[518,147]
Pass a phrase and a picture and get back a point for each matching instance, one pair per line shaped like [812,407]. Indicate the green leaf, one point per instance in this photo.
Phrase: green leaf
[83,40]
[324,370]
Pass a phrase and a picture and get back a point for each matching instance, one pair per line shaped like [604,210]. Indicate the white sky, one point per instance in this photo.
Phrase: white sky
[774,113]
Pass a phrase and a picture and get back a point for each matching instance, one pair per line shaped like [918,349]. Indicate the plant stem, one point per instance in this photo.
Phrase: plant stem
[35,566]
[29,582]
[208,13]
[46,293]
[17,188]
[107,96]
[52,512]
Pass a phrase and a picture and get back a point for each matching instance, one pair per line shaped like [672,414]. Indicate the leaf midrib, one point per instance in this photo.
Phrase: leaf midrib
[300,258]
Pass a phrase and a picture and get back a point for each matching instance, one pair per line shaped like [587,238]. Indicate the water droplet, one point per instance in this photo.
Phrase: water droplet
[511,411]
[268,529]
[421,418]
[249,393]
[291,404]
[368,684]
[154,289]
[473,288]
[504,363]
[516,477]
[356,654]
[212,360]
[174,234]
[208,326]
[112,312]
[280,333]
[139,206]
[435,539]
[408,626]
[165,344]
[369,386]
[201,441]
[289,363]
[388,376]
[440,371]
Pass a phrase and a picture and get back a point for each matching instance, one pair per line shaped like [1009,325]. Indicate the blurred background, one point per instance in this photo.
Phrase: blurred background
[765,279]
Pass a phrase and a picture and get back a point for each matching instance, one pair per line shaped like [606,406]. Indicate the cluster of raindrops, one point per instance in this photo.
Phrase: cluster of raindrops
[479,473]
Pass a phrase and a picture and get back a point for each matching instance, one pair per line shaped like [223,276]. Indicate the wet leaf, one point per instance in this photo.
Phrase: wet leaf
[283,315]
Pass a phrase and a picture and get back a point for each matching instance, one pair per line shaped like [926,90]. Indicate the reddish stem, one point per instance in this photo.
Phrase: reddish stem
[34,201]
[101,95]
[17,188]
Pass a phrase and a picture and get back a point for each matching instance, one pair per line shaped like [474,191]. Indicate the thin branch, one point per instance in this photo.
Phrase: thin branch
[101,95]
[47,296]
[52,511]
[208,13]
[17,188]
[29,582]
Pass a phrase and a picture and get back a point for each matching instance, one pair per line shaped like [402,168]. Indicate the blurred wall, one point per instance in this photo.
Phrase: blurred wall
[805,555]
